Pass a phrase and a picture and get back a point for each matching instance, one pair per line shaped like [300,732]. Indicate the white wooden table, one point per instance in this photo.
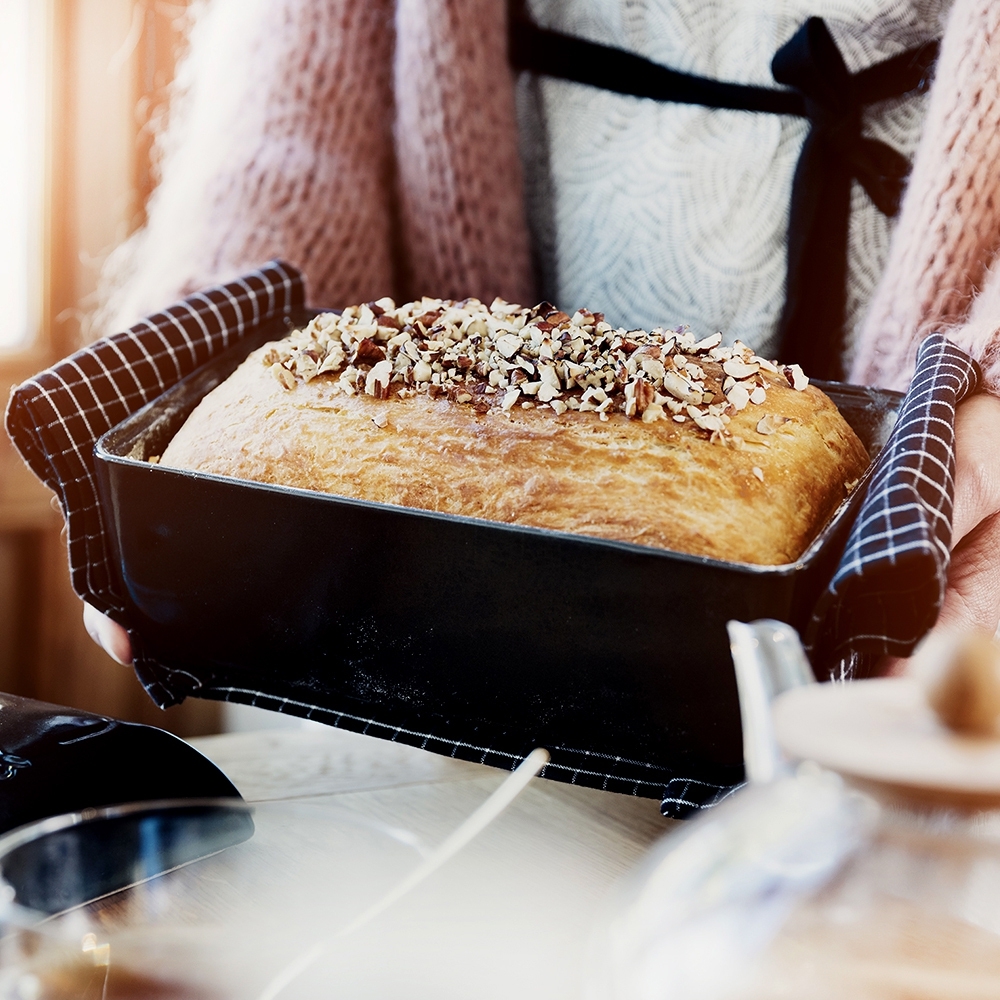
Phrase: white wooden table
[514,913]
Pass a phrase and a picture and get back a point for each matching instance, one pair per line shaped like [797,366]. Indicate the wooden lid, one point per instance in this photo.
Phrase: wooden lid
[884,731]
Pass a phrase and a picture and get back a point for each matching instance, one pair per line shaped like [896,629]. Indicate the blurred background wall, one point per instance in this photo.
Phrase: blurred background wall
[85,82]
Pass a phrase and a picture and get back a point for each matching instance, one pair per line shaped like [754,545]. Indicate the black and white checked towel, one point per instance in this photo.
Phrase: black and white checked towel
[890,583]
[55,418]
[884,596]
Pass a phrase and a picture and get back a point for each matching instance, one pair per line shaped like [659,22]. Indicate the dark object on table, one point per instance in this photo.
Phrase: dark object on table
[57,760]
[466,637]
[60,863]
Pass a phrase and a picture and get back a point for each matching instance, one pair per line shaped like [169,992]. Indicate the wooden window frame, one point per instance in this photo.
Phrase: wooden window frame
[108,67]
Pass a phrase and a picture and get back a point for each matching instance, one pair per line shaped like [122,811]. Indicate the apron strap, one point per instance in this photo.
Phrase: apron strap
[834,153]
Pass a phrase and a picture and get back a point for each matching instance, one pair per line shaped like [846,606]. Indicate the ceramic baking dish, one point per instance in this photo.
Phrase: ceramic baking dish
[470,637]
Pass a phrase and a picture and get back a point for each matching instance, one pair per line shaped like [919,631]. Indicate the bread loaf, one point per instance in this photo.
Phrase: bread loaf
[533,417]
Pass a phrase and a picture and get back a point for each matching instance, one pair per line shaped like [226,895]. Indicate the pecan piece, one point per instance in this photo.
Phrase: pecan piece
[368,352]
[429,318]
[645,394]
[795,377]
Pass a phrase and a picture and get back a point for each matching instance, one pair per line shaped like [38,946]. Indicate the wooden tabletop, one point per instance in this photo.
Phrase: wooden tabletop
[522,901]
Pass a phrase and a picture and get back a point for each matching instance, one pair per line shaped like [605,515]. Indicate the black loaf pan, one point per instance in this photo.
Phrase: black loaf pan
[468,637]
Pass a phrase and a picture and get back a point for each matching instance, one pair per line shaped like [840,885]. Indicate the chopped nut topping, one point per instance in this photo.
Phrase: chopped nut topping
[502,355]
[377,382]
[738,396]
[758,472]
[652,412]
[770,422]
[283,375]
[708,422]
[369,351]
[708,343]
[797,379]
[739,369]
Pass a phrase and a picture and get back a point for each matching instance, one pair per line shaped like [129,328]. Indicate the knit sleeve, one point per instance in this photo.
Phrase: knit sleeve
[279,144]
[949,227]
[979,336]
[459,174]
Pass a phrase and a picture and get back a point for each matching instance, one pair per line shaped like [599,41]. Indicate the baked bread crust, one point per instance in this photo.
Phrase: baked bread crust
[757,494]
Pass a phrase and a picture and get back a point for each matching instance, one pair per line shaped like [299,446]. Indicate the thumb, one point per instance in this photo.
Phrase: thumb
[972,600]
[109,635]
[977,464]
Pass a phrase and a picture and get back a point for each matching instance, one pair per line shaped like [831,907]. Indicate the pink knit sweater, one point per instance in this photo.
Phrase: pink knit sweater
[374,144]
[938,273]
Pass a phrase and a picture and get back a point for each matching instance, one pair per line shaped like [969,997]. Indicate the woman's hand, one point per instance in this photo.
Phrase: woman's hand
[108,634]
[972,600]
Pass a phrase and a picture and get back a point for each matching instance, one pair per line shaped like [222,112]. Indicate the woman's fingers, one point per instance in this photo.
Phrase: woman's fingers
[972,600]
[977,464]
[109,635]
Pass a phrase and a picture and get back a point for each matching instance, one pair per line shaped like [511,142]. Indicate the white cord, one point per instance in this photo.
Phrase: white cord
[447,849]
